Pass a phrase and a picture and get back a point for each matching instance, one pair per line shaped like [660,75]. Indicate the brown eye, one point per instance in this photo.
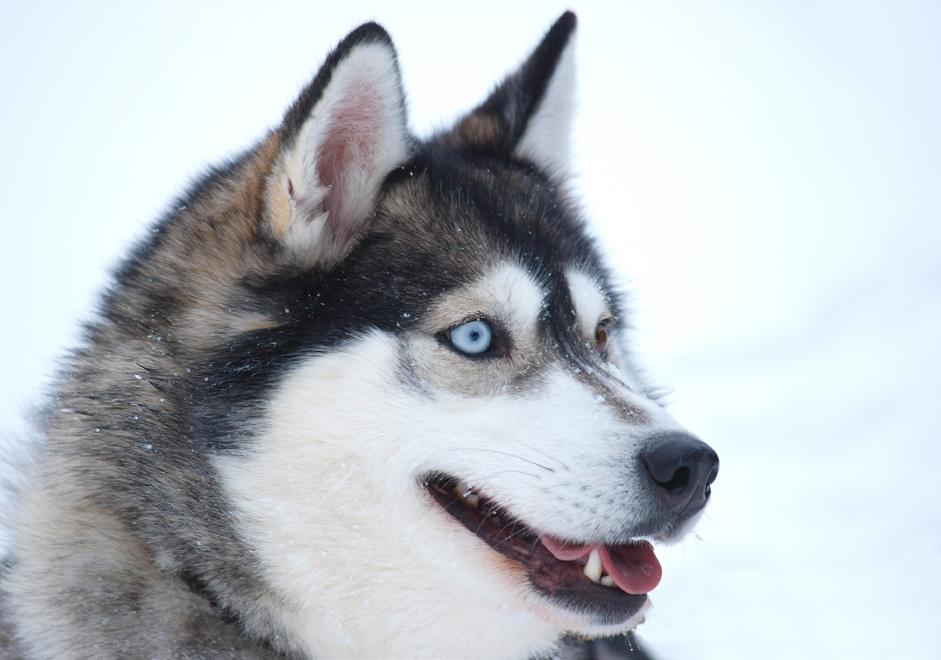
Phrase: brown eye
[601,334]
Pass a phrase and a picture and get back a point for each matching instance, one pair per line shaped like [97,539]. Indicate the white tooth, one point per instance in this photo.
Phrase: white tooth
[461,489]
[472,501]
[607,581]
[593,566]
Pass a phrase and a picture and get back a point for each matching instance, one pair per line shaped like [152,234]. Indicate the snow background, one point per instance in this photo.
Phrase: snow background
[765,175]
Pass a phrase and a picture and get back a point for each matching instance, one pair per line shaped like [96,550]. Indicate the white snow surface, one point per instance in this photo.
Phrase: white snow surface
[766,177]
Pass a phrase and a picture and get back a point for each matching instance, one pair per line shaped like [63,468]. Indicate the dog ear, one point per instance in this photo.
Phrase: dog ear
[529,115]
[339,140]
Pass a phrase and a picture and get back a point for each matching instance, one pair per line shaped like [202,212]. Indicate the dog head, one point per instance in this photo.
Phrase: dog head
[418,395]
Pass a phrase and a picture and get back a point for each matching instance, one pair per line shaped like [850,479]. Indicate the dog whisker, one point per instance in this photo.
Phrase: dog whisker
[539,451]
[518,529]
[506,453]
[494,474]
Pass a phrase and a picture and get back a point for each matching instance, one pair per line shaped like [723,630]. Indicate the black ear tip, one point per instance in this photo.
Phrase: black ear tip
[366,33]
[566,23]
[561,32]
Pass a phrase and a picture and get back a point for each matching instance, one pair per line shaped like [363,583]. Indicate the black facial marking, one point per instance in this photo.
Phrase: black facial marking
[443,221]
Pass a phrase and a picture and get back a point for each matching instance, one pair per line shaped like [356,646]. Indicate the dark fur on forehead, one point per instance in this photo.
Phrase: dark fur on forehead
[523,213]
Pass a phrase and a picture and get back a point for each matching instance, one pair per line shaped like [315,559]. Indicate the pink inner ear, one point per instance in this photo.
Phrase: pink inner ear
[347,157]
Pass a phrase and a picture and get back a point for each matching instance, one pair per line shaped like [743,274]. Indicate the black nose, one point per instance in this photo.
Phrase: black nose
[681,469]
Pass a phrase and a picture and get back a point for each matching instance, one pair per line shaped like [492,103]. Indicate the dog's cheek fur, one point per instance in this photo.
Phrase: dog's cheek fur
[361,578]
[330,498]
[556,455]
[84,555]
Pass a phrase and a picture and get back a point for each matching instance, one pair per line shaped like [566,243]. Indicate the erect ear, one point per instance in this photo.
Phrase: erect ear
[529,114]
[339,140]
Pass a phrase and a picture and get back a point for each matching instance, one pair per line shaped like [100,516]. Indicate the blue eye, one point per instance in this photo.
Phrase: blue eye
[472,338]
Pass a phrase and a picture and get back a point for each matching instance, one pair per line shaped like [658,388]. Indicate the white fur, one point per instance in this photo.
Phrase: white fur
[378,144]
[329,497]
[547,138]
[517,296]
[590,304]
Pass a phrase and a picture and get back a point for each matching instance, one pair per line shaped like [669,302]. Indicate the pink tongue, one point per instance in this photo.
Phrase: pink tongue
[633,566]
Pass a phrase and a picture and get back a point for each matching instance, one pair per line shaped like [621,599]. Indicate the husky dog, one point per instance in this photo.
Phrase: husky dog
[358,394]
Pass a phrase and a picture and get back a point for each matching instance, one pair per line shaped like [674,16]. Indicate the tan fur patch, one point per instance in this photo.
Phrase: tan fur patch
[253,323]
[479,129]
[278,209]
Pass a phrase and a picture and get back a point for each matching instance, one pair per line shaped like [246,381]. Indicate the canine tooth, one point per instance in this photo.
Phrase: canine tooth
[607,581]
[593,566]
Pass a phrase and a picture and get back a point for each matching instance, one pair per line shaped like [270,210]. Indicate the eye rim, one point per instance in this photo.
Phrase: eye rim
[602,337]
[499,345]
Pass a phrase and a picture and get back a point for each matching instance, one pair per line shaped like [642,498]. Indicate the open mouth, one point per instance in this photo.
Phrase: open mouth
[607,582]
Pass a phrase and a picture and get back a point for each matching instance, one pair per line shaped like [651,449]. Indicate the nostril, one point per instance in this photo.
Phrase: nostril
[678,482]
